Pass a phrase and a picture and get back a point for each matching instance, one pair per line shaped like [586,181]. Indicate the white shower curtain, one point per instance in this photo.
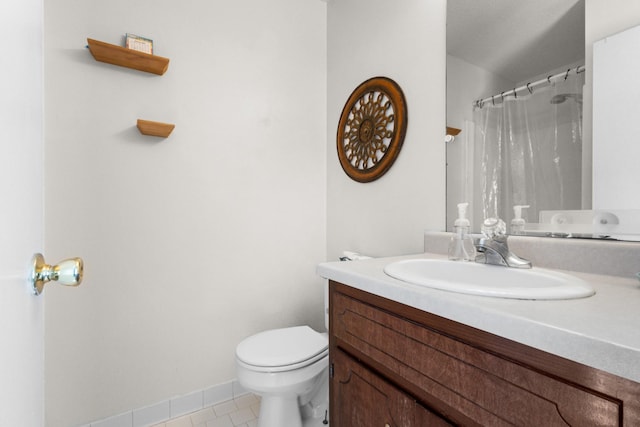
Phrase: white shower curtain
[528,151]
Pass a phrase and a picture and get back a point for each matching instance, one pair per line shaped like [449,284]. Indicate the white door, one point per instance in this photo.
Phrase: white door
[21,211]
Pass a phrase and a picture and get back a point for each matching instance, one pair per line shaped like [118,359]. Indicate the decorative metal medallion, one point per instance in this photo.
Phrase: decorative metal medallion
[372,129]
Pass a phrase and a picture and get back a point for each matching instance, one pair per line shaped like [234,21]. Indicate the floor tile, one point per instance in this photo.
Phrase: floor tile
[256,409]
[241,416]
[201,417]
[242,411]
[245,401]
[225,408]
[180,422]
[224,421]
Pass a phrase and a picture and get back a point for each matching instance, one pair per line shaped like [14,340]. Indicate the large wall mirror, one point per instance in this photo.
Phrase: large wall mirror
[515,83]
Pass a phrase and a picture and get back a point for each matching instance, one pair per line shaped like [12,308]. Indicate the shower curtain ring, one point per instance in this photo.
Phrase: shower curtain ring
[567,75]
[493,101]
[515,93]
[549,79]
[529,88]
[502,96]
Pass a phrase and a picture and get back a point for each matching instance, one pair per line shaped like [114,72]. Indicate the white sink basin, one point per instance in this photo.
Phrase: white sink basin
[489,280]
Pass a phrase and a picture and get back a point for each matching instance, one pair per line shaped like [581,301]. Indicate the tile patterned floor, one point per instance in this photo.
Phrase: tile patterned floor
[239,412]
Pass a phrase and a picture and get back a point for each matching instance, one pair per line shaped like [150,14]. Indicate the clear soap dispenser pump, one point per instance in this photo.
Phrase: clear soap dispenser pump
[461,247]
[517,223]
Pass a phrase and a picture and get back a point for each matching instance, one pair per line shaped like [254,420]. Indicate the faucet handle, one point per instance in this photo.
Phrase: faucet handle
[494,228]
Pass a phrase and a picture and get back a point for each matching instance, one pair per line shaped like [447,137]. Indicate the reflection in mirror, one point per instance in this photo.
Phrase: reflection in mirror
[616,90]
[521,141]
[527,150]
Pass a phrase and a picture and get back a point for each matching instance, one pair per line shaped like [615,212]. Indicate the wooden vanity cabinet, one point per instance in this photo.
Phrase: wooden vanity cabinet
[393,365]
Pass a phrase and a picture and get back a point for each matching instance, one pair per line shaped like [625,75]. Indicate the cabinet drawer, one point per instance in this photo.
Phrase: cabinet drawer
[482,386]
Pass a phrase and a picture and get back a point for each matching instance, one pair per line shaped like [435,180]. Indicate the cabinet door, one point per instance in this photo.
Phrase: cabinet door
[360,398]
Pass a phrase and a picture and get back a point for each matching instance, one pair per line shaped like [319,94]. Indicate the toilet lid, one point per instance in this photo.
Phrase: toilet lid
[282,347]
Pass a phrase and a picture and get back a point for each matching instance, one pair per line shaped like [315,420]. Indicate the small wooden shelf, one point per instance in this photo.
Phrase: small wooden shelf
[118,55]
[147,127]
[452,131]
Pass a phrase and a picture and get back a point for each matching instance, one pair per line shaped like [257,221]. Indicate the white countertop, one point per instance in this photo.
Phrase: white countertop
[602,331]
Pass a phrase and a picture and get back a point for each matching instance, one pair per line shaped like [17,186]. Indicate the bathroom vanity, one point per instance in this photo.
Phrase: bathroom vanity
[404,355]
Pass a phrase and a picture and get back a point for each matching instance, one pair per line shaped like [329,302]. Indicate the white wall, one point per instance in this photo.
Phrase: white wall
[21,228]
[404,41]
[190,243]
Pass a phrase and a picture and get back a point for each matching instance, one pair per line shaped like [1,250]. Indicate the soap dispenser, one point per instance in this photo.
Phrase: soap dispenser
[517,223]
[461,247]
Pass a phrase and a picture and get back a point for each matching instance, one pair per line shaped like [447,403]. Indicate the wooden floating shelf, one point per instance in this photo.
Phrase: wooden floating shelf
[147,127]
[118,55]
[452,131]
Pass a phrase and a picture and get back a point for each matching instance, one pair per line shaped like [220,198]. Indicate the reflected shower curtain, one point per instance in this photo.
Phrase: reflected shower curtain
[528,151]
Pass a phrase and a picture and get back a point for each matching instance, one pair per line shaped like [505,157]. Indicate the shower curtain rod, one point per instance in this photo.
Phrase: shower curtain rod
[529,87]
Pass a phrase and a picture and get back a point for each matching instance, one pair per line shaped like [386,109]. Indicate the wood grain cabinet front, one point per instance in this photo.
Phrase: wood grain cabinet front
[389,359]
[364,399]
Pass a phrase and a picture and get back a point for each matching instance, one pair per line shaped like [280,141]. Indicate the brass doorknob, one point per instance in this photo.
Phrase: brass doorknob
[68,272]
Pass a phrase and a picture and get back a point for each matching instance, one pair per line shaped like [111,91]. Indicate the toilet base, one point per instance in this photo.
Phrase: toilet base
[278,411]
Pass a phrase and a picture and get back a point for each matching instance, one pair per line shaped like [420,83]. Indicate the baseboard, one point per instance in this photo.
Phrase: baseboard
[171,408]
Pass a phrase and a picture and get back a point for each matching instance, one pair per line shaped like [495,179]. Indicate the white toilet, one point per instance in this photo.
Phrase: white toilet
[288,368]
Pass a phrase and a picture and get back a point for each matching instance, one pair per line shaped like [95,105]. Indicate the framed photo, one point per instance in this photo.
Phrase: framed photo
[138,43]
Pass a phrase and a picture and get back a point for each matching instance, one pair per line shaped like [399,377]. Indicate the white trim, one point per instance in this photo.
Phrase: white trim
[171,408]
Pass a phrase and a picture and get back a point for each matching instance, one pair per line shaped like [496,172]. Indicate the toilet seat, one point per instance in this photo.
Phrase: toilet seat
[284,349]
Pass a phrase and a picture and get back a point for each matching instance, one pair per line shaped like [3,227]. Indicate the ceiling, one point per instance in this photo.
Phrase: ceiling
[516,39]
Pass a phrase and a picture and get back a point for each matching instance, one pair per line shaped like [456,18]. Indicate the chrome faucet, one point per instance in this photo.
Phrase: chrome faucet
[493,247]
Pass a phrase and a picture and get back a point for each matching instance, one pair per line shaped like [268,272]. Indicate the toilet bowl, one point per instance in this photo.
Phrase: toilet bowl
[288,368]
